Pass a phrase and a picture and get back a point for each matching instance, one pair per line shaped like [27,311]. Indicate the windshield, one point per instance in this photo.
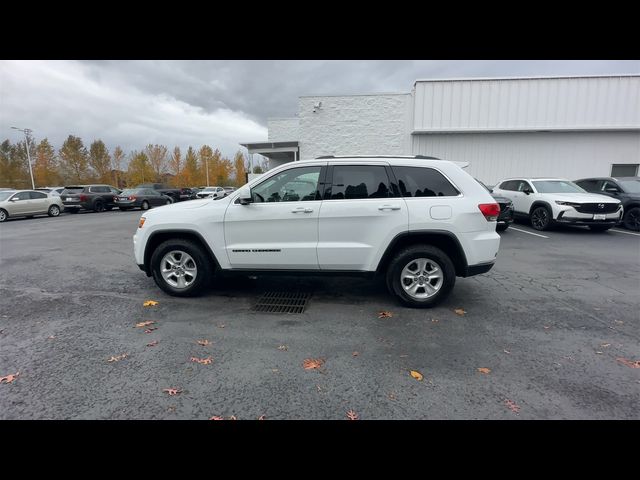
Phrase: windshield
[131,191]
[630,186]
[209,189]
[557,186]
[5,195]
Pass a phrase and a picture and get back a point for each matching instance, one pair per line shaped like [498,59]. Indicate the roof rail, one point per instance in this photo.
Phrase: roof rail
[423,157]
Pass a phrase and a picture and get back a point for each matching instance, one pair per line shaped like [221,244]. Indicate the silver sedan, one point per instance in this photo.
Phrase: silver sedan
[28,203]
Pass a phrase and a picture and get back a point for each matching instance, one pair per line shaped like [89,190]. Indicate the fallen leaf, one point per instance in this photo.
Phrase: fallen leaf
[513,406]
[391,395]
[150,330]
[484,370]
[351,415]
[144,324]
[355,354]
[172,408]
[117,358]
[404,356]
[598,352]
[460,311]
[283,348]
[232,417]
[202,361]
[204,343]
[215,417]
[605,345]
[506,351]
[629,363]
[262,417]
[546,327]
[9,378]
[311,363]
[385,314]
[434,320]
[275,370]
[318,387]
[150,303]
[152,344]
[417,375]
[619,322]
[222,325]
[51,337]
[172,391]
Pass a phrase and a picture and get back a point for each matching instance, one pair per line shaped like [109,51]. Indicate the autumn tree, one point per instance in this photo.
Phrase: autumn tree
[224,170]
[157,155]
[74,160]
[207,163]
[140,170]
[116,165]
[239,168]
[191,174]
[14,167]
[100,161]
[45,168]
[176,167]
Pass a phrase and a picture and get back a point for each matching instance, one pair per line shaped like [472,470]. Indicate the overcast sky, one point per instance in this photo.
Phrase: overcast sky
[219,103]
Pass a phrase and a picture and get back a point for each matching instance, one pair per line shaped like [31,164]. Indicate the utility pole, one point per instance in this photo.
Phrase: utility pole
[206,161]
[27,132]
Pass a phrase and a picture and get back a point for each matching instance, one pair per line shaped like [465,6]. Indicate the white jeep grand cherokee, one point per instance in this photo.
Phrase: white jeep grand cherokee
[550,201]
[419,221]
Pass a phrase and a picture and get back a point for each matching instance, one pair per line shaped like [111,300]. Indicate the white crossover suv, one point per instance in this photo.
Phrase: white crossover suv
[550,201]
[418,221]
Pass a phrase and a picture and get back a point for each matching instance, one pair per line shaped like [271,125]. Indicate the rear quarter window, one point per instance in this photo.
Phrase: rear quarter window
[423,182]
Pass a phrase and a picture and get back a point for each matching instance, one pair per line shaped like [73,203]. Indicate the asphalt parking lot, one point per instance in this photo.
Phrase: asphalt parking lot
[556,322]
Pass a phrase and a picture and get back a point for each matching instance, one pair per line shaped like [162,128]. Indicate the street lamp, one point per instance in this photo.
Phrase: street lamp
[27,132]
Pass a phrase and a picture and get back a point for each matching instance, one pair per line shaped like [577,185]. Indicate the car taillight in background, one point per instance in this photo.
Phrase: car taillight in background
[83,198]
[490,211]
[132,197]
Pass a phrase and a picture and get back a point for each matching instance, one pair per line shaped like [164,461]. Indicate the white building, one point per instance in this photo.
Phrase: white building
[534,127]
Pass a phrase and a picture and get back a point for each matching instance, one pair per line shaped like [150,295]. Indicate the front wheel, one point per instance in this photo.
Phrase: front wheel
[54,211]
[541,218]
[181,268]
[631,219]
[3,215]
[421,276]
[599,228]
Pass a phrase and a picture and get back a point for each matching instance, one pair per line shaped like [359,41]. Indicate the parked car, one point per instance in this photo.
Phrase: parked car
[550,201]
[53,191]
[143,198]
[28,203]
[419,222]
[229,189]
[211,192]
[186,194]
[625,189]
[506,209]
[174,193]
[89,197]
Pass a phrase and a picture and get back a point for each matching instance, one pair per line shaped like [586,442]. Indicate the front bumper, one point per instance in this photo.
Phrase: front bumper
[569,217]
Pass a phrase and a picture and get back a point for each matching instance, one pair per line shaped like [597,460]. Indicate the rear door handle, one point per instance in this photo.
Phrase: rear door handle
[388,207]
[302,210]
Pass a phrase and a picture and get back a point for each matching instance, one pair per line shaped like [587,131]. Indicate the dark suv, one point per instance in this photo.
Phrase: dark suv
[625,189]
[89,197]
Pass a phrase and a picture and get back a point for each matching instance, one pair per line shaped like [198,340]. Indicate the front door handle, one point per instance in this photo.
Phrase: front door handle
[388,207]
[302,210]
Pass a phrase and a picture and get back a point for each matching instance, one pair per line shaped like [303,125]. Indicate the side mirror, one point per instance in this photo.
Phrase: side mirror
[612,190]
[14,200]
[245,198]
[527,191]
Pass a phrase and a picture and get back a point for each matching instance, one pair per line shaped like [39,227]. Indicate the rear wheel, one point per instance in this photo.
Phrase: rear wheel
[3,215]
[631,219]
[600,228]
[145,205]
[421,276]
[168,202]
[541,218]
[54,211]
[98,206]
[181,267]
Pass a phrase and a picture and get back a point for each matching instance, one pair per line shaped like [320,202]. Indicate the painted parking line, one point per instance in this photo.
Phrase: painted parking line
[530,233]
[622,231]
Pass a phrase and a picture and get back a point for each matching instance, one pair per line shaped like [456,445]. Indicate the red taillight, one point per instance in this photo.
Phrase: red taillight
[83,198]
[132,197]
[490,211]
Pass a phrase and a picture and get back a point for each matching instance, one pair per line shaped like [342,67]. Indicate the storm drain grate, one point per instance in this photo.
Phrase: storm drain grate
[282,302]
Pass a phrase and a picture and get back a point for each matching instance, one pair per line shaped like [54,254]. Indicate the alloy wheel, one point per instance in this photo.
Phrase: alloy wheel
[178,269]
[421,278]
[539,218]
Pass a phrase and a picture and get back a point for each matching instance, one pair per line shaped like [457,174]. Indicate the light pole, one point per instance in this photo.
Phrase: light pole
[206,160]
[27,132]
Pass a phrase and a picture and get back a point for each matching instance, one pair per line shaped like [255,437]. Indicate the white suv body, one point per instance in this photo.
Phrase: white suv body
[549,201]
[355,215]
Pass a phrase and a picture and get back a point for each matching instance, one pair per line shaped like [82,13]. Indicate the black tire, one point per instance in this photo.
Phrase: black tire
[145,205]
[3,215]
[404,258]
[54,211]
[541,218]
[502,227]
[168,202]
[599,228]
[98,206]
[631,219]
[203,262]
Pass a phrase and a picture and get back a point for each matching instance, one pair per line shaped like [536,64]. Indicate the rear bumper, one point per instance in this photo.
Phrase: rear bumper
[478,269]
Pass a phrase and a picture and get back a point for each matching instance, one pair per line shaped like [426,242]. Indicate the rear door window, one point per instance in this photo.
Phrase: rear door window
[423,182]
[352,182]
[511,185]
[37,195]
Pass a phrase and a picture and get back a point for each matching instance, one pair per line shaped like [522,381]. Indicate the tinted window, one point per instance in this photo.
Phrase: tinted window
[22,196]
[38,195]
[72,190]
[510,185]
[423,182]
[590,185]
[98,189]
[296,184]
[358,181]
[630,186]
[148,191]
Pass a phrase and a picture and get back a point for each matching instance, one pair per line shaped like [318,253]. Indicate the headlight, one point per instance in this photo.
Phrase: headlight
[568,204]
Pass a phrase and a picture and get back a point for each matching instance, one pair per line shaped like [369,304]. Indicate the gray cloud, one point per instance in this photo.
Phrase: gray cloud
[220,103]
